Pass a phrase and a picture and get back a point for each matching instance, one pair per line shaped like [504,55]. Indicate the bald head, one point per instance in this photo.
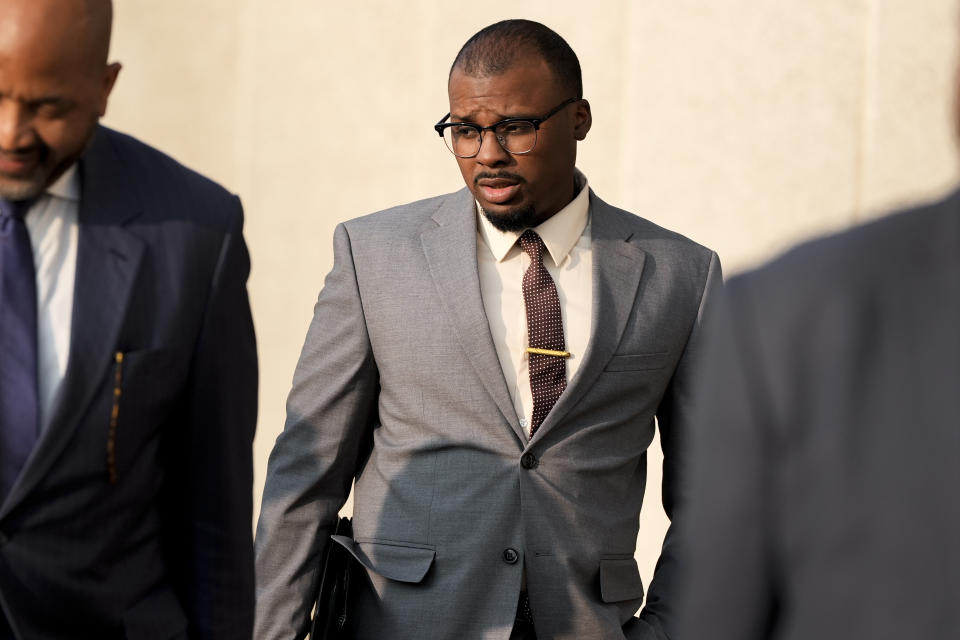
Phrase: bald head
[54,85]
[67,27]
[98,27]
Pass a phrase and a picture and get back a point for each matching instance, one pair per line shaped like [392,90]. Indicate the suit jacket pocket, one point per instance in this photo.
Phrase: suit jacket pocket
[146,366]
[143,387]
[638,362]
[158,616]
[147,380]
[400,561]
[620,579]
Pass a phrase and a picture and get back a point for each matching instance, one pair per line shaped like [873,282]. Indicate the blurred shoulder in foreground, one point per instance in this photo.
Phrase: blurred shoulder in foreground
[825,483]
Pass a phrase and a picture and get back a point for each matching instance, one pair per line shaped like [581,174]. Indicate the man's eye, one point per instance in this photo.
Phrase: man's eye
[50,109]
[465,132]
[514,128]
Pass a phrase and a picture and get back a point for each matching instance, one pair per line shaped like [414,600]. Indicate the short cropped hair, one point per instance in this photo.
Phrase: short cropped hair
[494,49]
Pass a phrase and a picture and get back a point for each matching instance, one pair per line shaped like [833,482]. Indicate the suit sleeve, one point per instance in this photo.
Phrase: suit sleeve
[212,477]
[674,417]
[728,588]
[331,412]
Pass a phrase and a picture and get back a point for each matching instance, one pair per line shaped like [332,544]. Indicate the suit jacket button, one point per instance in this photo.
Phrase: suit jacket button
[510,556]
[529,461]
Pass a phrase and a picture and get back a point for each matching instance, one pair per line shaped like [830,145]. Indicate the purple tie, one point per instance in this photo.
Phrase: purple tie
[548,373]
[19,422]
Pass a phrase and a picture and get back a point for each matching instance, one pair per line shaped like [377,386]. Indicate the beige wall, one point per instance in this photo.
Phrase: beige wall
[746,125]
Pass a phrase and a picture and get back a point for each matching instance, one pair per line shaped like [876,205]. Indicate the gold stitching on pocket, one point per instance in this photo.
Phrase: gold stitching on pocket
[114,415]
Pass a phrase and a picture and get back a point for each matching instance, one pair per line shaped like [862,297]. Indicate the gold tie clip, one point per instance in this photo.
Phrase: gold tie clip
[548,352]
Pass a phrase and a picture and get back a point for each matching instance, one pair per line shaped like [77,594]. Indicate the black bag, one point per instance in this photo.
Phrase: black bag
[330,614]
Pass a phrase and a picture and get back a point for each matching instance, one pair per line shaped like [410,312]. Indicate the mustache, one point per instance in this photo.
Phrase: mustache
[21,152]
[500,175]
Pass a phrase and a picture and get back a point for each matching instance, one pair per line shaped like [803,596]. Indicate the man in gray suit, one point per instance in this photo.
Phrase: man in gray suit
[488,366]
[825,483]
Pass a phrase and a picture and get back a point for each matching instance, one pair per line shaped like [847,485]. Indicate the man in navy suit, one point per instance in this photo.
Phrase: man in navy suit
[128,370]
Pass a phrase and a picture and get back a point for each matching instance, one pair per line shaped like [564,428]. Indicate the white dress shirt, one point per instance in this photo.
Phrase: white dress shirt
[54,232]
[501,264]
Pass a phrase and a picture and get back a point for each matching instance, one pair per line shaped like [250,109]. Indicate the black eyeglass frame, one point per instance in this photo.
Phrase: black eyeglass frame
[536,122]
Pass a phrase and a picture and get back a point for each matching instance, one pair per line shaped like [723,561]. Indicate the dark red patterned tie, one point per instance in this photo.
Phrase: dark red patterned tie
[548,372]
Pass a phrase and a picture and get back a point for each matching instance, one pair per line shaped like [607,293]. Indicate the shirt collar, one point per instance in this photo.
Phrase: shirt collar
[559,232]
[67,186]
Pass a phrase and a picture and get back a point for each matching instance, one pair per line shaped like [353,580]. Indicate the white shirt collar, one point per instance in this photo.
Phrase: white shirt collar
[67,186]
[559,232]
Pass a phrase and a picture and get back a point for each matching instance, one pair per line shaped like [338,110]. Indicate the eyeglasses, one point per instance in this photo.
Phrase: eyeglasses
[516,135]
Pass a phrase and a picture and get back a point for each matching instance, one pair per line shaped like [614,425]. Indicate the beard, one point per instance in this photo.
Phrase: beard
[51,163]
[15,190]
[517,219]
[24,187]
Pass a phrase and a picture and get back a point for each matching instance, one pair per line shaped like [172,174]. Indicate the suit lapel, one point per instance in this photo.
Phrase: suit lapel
[617,269]
[108,257]
[451,252]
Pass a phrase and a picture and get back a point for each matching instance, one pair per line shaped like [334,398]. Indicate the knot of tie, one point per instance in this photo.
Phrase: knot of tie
[532,245]
[14,208]
[11,210]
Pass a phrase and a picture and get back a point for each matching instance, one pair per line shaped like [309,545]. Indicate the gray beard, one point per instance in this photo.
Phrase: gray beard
[516,220]
[22,190]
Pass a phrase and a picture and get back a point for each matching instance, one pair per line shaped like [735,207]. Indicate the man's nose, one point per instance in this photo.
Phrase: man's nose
[14,124]
[491,151]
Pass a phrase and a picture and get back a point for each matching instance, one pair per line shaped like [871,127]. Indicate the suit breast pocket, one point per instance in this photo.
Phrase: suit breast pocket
[145,385]
[638,362]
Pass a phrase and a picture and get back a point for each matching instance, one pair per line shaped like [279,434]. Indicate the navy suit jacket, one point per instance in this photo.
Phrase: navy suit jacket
[132,517]
[826,447]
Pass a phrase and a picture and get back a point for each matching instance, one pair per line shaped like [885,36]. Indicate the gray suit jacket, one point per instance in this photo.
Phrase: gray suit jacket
[826,498]
[399,385]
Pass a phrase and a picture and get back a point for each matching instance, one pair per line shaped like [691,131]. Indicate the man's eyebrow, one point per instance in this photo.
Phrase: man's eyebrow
[48,100]
[459,118]
[51,99]
[467,119]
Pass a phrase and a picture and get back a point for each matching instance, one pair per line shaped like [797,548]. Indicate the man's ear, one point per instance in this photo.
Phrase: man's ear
[582,119]
[109,79]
